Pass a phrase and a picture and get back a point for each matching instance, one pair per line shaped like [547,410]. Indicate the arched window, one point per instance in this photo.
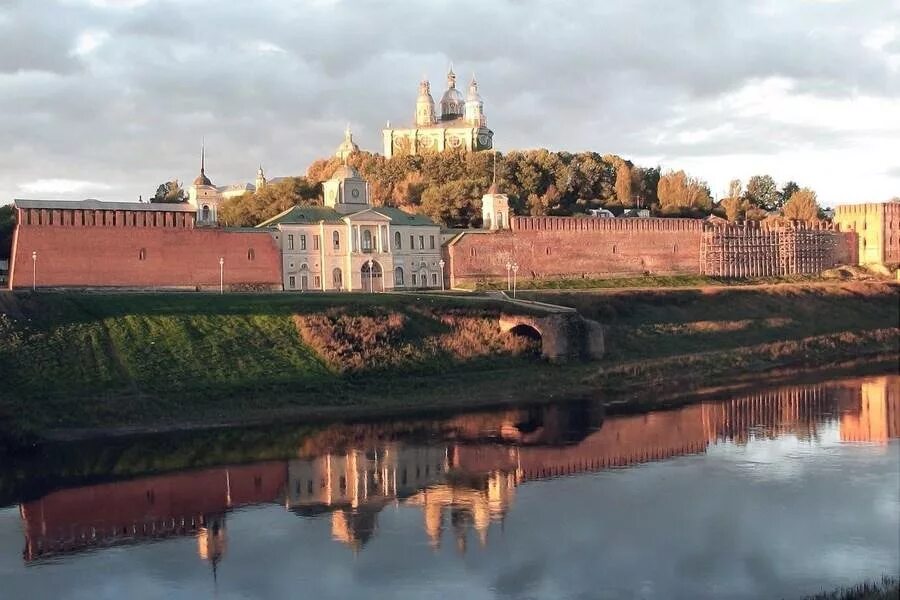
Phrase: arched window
[336,240]
[142,255]
[397,240]
[251,254]
[499,220]
[398,275]
[367,240]
[337,279]
[205,213]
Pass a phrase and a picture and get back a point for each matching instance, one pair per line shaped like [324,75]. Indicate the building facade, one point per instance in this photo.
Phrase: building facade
[349,245]
[461,124]
[877,226]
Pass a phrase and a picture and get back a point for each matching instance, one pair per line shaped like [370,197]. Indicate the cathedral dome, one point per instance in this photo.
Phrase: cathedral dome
[452,102]
[348,146]
[202,179]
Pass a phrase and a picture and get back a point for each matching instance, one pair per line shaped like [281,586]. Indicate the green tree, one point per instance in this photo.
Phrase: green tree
[169,192]
[762,193]
[7,226]
[787,190]
[802,206]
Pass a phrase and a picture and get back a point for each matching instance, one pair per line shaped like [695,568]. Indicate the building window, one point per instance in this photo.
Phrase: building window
[396,240]
[317,282]
[205,213]
[336,240]
[421,242]
[431,242]
[367,240]
[414,280]
[290,242]
[337,279]
[315,242]
[251,254]
[398,275]
[434,279]
[548,250]
[142,255]
[292,282]
[473,252]
[412,242]
[303,242]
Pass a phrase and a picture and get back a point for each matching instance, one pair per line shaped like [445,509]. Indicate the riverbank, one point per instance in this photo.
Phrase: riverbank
[86,365]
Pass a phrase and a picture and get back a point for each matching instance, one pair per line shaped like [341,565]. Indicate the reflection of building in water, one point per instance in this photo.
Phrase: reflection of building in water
[181,504]
[359,483]
[464,486]
[475,506]
[877,418]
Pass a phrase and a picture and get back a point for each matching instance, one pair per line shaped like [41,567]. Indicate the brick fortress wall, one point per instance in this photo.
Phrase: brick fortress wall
[552,247]
[147,249]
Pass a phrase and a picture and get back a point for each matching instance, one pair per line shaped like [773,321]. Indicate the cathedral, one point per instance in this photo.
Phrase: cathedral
[460,125]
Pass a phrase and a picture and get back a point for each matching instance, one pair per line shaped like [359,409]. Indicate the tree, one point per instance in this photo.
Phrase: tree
[763,193]
[169,192]
[7,226]
[733,204]
[623,183]
[253,208]
[802,206]
[788,190]
[677,191]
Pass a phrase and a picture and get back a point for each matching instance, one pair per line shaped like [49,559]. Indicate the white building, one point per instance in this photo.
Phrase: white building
[349,245]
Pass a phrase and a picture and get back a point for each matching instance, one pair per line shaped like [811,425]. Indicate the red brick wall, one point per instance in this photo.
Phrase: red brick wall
[110,256]
[574,247]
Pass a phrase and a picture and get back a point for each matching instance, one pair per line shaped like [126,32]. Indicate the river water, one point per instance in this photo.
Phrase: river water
[780,492]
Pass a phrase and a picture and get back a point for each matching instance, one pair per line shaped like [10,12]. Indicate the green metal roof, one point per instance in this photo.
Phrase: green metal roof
[304,215]
[399,217]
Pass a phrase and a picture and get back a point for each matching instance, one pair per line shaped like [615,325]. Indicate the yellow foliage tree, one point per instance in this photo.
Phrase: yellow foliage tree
[802,206]
[677,190]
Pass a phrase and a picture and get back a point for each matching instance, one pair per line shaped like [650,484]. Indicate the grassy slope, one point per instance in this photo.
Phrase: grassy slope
[95,360]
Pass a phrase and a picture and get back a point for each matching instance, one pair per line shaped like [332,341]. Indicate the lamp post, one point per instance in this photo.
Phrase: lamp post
[515,269]
[221,275]
[34,271]
[371,281]
[441,263]
[508,267]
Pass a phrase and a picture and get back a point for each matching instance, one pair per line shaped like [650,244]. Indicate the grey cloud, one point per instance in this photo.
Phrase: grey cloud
[566,75]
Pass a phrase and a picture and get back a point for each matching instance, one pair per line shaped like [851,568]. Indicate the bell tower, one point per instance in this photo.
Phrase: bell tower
[424,105]
[495,206]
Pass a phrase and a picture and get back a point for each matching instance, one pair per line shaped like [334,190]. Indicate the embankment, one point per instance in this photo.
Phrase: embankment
[81,365]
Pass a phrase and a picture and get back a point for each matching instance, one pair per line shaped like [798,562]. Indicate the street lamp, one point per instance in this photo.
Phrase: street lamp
[441,263]
[508,267]
[371,281]
[221,275]
[34,270]
[515,269]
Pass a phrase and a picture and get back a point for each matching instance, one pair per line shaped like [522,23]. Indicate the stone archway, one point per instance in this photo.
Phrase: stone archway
[372,281]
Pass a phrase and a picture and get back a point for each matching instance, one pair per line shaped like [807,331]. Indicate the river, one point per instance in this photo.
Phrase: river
[772,493]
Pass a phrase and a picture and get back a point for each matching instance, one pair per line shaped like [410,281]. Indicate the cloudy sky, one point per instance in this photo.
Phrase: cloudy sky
[108,98]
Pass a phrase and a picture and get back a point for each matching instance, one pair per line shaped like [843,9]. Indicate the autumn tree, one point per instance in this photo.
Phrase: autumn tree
[253,208]
[623,184]
[762,193]
[734,205]
[678,192]
[169,192]
[802,206]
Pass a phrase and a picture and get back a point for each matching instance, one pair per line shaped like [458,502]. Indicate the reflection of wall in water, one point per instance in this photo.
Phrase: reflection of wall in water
[876,417]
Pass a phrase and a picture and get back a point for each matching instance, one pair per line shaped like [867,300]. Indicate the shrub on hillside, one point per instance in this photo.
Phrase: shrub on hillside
[353,343]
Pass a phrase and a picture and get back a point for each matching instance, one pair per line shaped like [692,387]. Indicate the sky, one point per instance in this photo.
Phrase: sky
[109,98]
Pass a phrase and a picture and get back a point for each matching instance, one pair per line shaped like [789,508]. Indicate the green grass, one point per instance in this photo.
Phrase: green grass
[643,324]
[646,281]
[70,361]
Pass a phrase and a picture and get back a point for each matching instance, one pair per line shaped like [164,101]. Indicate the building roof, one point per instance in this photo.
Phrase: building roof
[399,217]
[308,215]
[247,187]
[299,215]
[92,204]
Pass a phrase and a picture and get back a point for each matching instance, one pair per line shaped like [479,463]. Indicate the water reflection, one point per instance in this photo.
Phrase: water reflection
[463,480]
